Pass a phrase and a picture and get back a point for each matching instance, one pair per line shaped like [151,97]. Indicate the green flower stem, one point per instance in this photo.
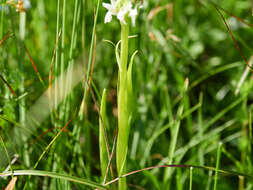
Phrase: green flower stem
[123,108]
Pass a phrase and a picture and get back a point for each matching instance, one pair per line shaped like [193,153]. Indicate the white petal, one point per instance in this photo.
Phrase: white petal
[107,6]
[133,13]
[121,16]
[128,7]
[27,4]
[113,2]
[108,17]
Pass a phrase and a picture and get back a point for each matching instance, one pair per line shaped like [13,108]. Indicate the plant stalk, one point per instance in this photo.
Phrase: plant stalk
[123,110]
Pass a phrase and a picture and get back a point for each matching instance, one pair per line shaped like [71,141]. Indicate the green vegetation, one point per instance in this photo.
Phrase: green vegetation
[81,109]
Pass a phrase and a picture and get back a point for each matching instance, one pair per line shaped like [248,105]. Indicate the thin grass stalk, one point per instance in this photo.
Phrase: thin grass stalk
[200,131]
[102,139]
[172,148]
[250,126]
[77,129]
[2,65]
[90,57]
[190,186]
[174,137]
[71,61]
[79,12]
[22,104]
[217,166]
[57,53]
[157,133]
[59,89]
[6,152]
[2,20]
[83,26]
[51,143]
[209,180]
[22,111]
[54,175]
[63,54]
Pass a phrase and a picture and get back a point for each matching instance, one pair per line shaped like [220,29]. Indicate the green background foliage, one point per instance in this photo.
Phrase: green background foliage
[183,39]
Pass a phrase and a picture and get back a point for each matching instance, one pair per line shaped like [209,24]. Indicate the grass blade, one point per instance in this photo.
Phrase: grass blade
[217,166]
[53,175]
[102,138]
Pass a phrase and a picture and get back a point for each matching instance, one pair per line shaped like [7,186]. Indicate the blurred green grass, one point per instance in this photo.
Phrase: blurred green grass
[160,69]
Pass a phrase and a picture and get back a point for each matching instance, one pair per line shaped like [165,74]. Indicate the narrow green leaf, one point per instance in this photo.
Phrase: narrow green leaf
[217,166]
[102,140]
[131,100]
[52,175]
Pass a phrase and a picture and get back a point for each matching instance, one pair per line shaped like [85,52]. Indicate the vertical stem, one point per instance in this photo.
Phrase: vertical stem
[58,89]
[209,180]
[90,55]
[123,112]
[217,166]
[57,53]
[22,104]
[190,186]
[83,25]
[62,53]
[200,130]
[71,63]
[2,65]
[2,21]
[174,138]
[124,46]
[22,23]
[81,113]
[173,143]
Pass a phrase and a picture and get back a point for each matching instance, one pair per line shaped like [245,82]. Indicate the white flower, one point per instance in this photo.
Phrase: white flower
[26,4]
[121,12]
[133,13]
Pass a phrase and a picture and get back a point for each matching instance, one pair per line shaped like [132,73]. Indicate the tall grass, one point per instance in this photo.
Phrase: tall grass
[191,79]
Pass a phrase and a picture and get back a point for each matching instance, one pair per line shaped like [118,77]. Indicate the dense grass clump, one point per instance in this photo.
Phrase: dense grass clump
[164,104]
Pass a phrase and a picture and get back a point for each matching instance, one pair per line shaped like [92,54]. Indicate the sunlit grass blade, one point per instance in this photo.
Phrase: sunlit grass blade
[53,175]
[190,184]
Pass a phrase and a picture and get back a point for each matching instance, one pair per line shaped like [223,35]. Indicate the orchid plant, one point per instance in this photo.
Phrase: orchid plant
[123,10]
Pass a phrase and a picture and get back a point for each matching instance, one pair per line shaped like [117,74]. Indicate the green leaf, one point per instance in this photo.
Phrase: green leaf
[102,139]
[131,99]
[52,175]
